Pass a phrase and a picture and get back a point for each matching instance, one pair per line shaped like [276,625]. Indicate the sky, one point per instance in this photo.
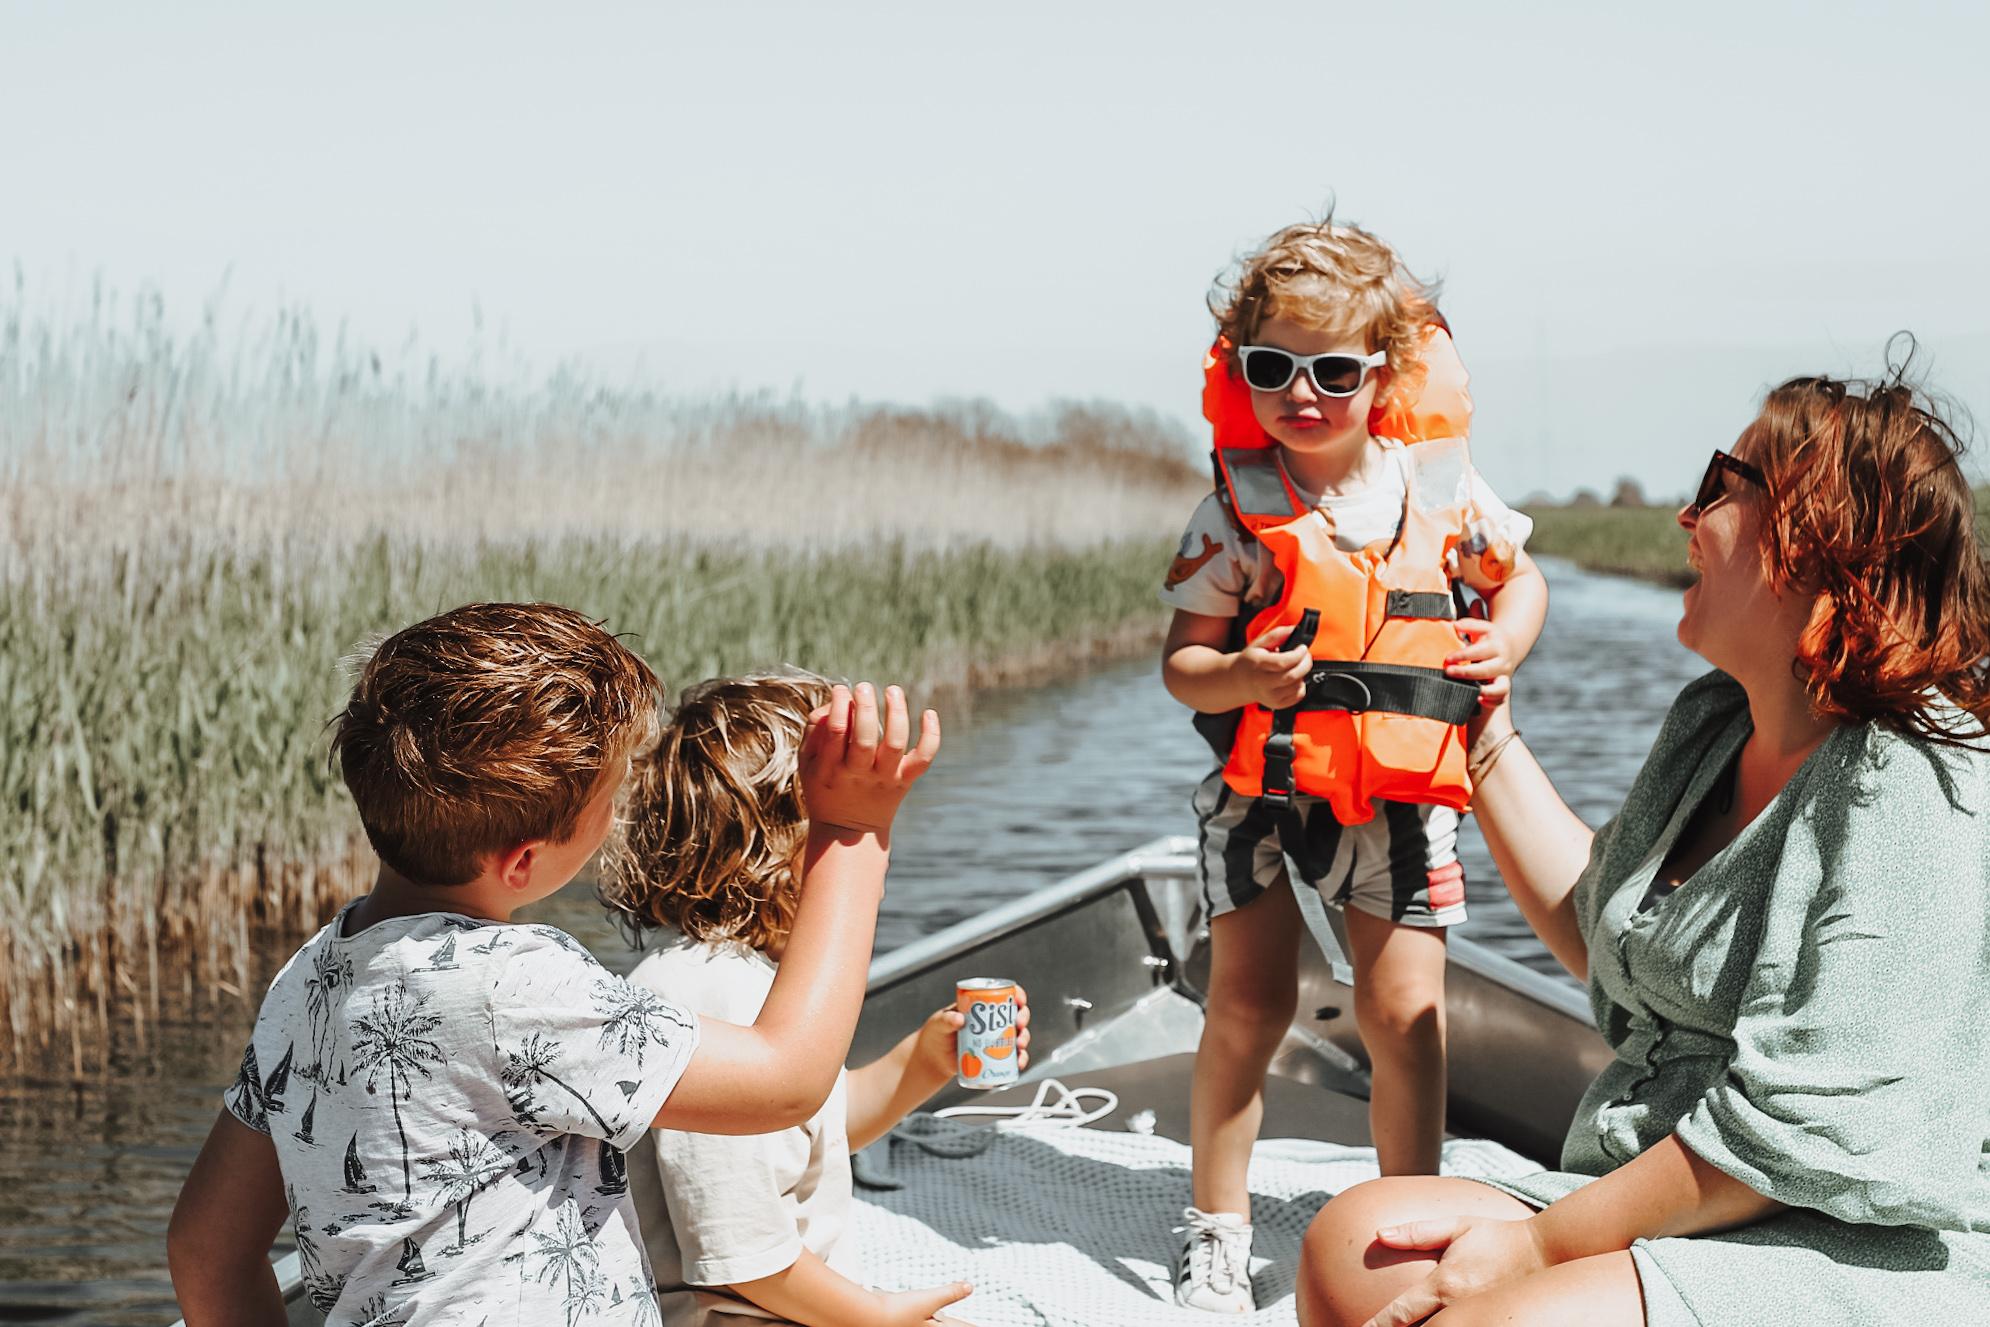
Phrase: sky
[1641,215]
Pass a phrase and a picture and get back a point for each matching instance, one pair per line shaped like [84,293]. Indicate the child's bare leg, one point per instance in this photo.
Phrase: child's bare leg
[1399,1007]
[1253,994]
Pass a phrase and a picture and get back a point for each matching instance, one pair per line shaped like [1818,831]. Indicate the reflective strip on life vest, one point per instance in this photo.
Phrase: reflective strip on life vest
[1257,483]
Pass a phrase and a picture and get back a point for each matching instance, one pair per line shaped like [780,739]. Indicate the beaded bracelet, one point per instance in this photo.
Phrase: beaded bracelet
[1476,770]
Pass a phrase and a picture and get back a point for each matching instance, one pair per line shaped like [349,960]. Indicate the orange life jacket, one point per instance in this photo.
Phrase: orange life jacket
[1379,718]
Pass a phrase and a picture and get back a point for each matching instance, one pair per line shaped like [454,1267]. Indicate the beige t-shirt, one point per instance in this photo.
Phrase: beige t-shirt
[717,1210]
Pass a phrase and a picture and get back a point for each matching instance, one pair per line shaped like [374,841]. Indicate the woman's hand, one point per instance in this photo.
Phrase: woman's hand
[1479,1254]
[1486,656]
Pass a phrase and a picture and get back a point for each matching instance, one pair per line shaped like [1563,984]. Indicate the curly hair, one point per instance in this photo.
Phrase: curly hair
[1869,509]
[485,727]
[1334,277]
[715,823]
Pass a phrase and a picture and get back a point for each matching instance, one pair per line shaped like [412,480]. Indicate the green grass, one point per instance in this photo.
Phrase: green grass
[164,761]
[1644,542]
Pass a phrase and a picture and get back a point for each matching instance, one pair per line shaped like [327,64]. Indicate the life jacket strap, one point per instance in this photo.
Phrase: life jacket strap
[1361,688]
[1436,605]
[1276,788]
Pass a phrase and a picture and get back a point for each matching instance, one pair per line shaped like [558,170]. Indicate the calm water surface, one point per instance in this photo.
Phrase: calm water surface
[1032,785]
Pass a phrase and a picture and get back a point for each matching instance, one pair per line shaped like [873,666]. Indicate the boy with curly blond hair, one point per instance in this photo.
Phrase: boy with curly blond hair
[745,1228]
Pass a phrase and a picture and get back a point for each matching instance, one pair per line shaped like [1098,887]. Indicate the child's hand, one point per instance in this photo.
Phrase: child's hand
[921,1308]
[935,1048]
[1272,677]
[855,768]
[1486,657]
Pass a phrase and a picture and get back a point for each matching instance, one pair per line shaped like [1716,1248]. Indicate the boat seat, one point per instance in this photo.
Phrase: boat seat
[1292,1109]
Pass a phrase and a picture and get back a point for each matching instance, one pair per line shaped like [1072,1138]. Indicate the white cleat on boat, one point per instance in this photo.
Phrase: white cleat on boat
[1214,1271]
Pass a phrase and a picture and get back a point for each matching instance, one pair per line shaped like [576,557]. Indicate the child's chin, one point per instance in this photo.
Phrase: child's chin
[1307,440]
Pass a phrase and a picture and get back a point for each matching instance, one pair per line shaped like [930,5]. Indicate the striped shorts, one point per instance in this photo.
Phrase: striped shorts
[1402,865]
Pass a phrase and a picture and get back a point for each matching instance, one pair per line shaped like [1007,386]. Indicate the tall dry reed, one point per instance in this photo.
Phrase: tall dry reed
[191,537]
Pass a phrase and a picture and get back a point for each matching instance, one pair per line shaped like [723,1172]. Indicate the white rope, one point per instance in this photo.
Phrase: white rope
[1068,1111]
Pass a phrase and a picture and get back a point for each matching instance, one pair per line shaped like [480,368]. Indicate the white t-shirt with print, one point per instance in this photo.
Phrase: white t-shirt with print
[717,1210]
[1218,570]
[450,1100]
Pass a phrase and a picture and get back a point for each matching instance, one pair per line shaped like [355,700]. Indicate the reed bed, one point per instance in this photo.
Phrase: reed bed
[1641,542]
[191,538]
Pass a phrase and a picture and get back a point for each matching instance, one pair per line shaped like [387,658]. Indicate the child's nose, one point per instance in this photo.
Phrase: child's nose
[1301,389]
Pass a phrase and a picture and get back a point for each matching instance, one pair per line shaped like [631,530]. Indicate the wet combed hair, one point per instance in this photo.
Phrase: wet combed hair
[486,727]
[1868,507]
[715,821]
[1336,278]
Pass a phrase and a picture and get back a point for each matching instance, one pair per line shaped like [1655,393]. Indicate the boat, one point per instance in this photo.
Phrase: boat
[1113,959]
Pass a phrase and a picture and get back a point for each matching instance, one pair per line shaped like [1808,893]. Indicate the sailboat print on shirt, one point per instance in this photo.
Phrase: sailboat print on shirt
[256,1097]
[355,1174]
[614,1170]
[444,957]
[303,1134]
[411,1267]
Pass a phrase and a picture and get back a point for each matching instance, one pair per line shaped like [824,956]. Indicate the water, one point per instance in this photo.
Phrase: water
[1032,785]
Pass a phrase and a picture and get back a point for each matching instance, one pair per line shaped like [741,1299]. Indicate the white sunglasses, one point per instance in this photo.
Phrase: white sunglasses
[1336,373]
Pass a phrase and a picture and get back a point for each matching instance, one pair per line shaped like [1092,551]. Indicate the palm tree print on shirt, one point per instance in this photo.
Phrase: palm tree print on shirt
[473,1162]
[322,1287]
[531,1065]
[568,1256]
[375,1313]
[634,1017]
[331,977]
[397,1040]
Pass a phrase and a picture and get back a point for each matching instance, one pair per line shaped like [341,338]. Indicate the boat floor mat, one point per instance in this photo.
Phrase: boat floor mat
[1062,1227]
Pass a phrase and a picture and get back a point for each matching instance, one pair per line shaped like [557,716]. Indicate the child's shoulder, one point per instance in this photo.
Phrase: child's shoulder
[715,979]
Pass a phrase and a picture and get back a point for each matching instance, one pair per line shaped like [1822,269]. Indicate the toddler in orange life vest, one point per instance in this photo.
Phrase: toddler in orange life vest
[1325,343]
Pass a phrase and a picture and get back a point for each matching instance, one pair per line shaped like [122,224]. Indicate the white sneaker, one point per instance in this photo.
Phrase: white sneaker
[1214,1273]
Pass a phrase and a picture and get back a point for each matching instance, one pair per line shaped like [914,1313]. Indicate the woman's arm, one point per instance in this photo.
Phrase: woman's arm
[1666,1190]
[1538,844]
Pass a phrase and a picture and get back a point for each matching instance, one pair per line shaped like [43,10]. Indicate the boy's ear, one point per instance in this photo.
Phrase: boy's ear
[513,866]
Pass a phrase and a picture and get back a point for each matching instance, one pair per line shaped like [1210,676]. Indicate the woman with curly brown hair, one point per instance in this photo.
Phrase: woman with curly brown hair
[1785,933]
[745,1229]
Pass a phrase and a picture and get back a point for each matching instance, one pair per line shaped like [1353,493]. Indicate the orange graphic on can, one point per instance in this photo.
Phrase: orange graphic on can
[986,1042]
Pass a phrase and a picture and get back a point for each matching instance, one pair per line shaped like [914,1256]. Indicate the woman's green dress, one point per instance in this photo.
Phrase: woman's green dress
[1808,1013]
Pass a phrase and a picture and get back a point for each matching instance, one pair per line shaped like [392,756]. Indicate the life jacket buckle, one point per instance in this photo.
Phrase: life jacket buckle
[1328,689]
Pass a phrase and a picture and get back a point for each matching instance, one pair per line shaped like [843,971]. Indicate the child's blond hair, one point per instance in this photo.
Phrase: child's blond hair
[715,820]
[1334,277]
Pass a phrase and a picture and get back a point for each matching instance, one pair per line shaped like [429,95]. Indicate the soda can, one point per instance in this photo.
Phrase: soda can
[986,1042]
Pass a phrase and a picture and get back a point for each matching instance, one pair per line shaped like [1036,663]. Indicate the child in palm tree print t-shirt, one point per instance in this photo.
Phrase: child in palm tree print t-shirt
[449,1100]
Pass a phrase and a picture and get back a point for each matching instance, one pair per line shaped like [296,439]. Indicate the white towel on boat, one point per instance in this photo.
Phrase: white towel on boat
[1075,1227]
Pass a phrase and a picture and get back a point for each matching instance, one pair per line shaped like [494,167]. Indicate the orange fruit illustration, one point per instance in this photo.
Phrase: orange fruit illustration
[999,1050]
[970,1065]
